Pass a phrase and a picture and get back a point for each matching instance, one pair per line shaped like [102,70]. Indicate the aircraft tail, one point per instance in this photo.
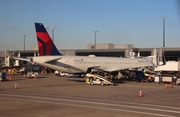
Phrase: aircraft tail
[45,44]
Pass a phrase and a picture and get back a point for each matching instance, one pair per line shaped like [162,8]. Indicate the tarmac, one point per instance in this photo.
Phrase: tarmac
[53,96]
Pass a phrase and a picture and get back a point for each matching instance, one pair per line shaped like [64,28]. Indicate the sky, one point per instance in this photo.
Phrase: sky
[118,21]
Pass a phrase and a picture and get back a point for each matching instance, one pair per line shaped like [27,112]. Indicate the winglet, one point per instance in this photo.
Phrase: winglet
[45,43]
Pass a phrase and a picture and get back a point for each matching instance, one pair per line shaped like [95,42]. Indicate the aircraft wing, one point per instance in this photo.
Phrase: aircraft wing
[54,61]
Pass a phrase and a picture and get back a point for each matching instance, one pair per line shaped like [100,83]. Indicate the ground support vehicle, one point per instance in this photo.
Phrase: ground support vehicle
[178,81]
[3,76]
[157,79]
[31,75]
[167,79]
[93,79]
[57,73]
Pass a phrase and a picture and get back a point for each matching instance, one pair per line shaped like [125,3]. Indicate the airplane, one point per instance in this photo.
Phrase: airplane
[51,58]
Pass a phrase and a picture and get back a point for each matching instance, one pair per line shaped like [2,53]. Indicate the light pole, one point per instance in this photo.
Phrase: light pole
[24,41]
[163,18]
[52,32]
[95,38]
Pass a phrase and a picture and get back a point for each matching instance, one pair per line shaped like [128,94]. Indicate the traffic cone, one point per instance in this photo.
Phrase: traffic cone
[34,78]
[140,93]
[15,86]
[24,75]
[166,86]
[7,78]
[170,85]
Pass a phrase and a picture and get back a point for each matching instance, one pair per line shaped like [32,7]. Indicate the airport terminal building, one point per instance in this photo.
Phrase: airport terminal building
[101,49]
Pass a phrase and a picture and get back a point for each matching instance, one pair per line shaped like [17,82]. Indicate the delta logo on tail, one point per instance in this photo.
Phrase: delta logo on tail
[45,43]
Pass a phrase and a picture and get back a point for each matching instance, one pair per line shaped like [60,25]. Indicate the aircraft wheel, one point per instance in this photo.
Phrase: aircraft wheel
[102,84]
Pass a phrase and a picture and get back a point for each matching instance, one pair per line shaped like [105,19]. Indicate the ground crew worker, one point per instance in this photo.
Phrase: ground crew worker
[9,71]
[174,79]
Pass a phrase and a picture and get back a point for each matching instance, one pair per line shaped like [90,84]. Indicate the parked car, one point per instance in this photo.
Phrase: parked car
[32,74]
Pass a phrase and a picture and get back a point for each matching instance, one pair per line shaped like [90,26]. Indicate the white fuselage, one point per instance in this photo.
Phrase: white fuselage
[80,64]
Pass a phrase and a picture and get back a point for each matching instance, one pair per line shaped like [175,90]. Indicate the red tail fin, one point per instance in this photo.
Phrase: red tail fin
[45,43]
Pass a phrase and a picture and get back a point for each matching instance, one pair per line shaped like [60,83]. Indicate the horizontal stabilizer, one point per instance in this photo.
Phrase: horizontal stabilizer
[22,59]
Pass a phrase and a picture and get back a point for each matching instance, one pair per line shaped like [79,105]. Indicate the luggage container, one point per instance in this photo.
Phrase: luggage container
[2,76]
[178,81]
[167,79]
[157,79]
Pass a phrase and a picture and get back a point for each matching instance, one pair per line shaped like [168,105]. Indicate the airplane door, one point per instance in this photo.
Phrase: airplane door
[67,65]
